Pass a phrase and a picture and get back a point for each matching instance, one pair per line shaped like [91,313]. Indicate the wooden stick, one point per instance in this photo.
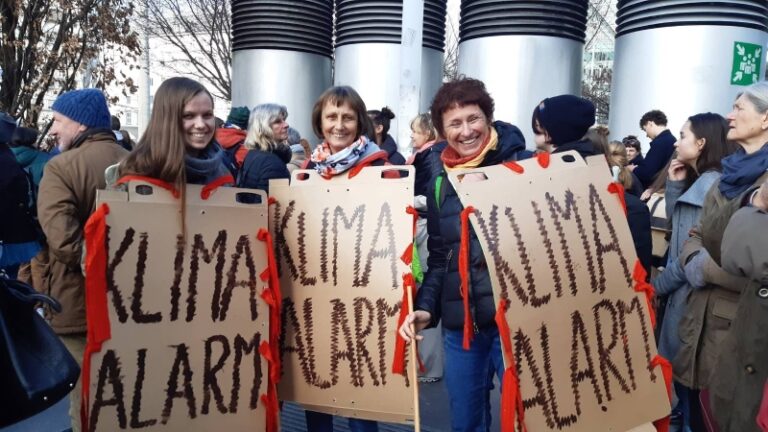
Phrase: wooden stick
[414,368]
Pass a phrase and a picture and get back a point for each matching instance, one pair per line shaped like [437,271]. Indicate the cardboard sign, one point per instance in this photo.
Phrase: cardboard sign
[185,314]
[338,246]
[560,253]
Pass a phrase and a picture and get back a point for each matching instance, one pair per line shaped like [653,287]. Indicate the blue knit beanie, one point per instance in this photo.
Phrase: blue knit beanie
[7,126]
[87,107]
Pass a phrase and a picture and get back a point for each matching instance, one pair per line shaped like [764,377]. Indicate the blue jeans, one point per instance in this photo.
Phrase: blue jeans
[469,377]
[322,422]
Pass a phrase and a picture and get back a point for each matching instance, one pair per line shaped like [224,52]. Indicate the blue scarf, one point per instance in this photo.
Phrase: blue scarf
[741,171]
[207,167]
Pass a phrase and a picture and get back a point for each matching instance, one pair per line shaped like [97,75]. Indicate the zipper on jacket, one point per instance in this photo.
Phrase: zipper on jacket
[448,260]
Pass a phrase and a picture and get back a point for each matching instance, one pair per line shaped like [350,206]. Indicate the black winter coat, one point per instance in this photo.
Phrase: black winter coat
[662,148]
[258,168]
[17,224]
[390,146]
[440,292]
[428,166]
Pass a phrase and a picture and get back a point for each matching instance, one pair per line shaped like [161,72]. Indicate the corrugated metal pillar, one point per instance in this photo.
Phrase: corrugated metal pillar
[682,57]
[524,51]
[282,53]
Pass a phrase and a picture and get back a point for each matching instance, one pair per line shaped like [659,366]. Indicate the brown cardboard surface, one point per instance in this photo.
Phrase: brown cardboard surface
[200,345]
[581,335]
[338,245]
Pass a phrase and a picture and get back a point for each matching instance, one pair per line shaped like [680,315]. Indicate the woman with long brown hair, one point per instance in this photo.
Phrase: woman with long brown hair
[178,146]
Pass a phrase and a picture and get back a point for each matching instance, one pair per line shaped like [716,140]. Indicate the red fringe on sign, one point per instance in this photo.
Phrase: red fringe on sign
[511,397]
[217,183]
[617,189]
[662,425]
[514,166]
[543,159]
[407,256]
[640,276]
[398,364]
[270,399]
[464,275]
[153,181]
[95,299]
[273,296]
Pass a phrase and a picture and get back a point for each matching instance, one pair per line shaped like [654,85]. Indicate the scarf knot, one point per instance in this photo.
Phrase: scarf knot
[329,164]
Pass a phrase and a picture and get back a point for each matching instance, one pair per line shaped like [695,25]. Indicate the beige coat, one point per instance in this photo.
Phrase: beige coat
[66,199]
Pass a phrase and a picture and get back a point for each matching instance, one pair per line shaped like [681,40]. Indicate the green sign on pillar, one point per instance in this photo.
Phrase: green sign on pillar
[747,63]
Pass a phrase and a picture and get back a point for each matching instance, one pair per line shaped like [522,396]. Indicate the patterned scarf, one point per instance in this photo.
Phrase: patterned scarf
[452,160]
[329,164]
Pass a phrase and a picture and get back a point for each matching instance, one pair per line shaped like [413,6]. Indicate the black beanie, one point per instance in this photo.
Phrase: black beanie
[566,118]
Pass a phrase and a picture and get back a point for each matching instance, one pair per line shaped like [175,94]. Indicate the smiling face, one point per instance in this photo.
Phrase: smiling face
[339,126]
[280,129]
[745,123]
[688,146]
[466,129]
[198,123]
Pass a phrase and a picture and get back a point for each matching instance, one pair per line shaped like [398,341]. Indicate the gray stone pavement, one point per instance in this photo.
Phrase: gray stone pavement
[434,413]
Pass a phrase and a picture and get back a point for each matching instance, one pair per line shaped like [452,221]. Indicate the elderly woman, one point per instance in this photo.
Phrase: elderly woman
[339,118]
[462,112]
[712,304]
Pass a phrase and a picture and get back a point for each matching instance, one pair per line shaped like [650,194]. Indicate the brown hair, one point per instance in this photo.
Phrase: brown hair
[617,156]
[339,96]
[160,151]
[458,93]
[598,136]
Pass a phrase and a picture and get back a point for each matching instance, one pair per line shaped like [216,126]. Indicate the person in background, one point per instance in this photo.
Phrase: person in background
[740,387]
[381,119]
[268,153]
[18,234]
[339,118]
[298,152]
[462,112]
[634,149]
[561,122]
[617,157]
[123,137]
[654,123]
[426,161]
[33,162]
[231,136]
[268,130]
[82,129]
[713,301]
[701,147]
[598,136]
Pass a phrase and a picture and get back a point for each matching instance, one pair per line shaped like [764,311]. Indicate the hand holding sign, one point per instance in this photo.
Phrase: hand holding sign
[415,322]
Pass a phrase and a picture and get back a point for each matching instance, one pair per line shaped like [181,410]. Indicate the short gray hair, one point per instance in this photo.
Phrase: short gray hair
[260,134]
[757,93]
[293,136]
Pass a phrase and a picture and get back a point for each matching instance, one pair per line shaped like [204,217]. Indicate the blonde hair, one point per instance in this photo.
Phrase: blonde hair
[424,123]
[260,135]
[617,156]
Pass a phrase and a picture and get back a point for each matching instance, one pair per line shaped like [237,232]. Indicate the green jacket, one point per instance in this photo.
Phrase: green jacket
[33,161]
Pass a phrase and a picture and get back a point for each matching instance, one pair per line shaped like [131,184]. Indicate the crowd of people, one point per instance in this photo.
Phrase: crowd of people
[712,283]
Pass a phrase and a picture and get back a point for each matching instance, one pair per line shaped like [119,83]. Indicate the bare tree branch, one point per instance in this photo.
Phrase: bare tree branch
[201,31]
[46,44]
